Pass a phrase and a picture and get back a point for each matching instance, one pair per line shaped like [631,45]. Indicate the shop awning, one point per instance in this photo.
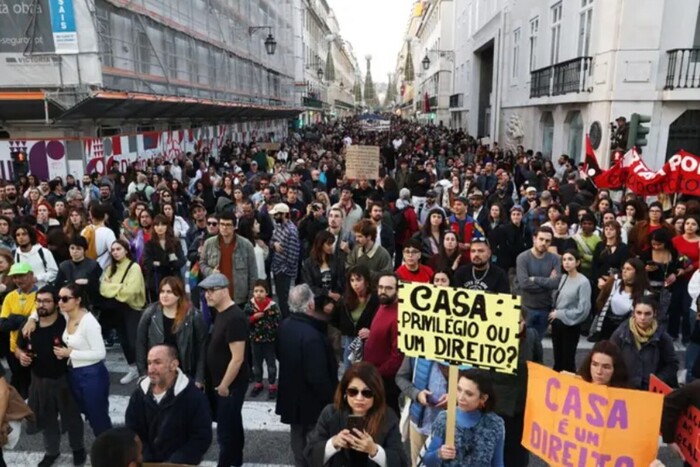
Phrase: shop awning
[27,105]
[127,105]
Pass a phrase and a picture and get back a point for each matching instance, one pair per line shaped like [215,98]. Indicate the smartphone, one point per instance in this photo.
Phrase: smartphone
[356,422]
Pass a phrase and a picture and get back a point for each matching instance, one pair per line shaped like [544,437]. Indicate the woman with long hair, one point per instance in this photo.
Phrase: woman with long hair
[172,320]
[61,211]
[45,216]
[162,257]
[604,365]
[431,234]
[130,225]
[226,188]
[630,214]
[480,433]
[123,297]
[664,266]
[688,249]
[610,254]
[323,271]
[449,258]
[354,313]
[82,343]
[76,222]
[495,218]
[617,296]
[7,241]
[178,223]
[34,197]
[143,235]
[645,347]
[358,429]
[572,304]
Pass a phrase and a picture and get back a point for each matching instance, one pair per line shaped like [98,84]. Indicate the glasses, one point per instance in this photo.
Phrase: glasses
[213,224]
[65,298]
[354,392]
[216,289]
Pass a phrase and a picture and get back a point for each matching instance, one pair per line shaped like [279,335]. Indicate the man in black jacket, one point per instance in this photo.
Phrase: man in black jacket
[308,368]
[169,413]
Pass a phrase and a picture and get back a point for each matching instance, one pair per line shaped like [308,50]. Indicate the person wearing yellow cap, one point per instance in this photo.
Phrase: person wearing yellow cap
[17,305]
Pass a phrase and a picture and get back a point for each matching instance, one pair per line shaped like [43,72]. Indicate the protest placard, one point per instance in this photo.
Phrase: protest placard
[459,326]
[362,162]
[269,146]
[688,428]
[569,422]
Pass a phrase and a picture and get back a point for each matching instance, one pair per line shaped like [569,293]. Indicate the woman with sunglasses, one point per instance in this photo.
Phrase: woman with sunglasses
[357,429]
[480,434]
[83,345]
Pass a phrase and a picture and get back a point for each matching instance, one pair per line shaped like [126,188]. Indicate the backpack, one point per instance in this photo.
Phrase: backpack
[41,255]
[89,234]
[141,194]
[399,223]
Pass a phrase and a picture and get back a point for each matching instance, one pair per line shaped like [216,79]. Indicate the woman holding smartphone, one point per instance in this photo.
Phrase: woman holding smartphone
[357,429]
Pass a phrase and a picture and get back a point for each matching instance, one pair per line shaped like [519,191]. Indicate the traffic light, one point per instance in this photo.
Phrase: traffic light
[637,136]
[20,163]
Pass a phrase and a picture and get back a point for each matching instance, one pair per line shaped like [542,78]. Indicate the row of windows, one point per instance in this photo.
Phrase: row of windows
[555,31]
[151,51]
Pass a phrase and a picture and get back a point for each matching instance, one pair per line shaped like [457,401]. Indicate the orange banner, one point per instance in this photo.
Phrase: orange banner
[688,428]
[569,422]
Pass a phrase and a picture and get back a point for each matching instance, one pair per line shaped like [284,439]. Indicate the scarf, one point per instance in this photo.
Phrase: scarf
[642,336]
[261,305]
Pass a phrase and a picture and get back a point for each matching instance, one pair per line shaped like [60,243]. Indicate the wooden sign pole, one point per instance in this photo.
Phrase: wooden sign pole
[451,405]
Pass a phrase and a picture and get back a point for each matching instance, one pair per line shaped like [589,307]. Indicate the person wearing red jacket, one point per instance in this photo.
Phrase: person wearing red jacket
[381,347]
[464,226]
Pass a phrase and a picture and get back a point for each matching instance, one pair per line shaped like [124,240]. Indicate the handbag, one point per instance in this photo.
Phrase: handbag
[110,289]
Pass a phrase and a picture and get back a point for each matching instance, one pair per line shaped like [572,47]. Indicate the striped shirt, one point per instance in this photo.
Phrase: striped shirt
[287,261]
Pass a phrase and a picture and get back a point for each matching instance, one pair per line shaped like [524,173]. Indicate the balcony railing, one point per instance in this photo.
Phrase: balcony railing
[456,100]
[683,69]
[562,78]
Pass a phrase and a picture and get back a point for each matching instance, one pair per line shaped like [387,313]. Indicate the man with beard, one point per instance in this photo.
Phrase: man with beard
[49,393]
[344,240]
[381,347]
[385,232]
[168,412]
[537,274]
[481,273]
[18,203]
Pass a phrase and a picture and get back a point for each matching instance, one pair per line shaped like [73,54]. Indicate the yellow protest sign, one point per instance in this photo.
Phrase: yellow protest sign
[459,326]
[362,162]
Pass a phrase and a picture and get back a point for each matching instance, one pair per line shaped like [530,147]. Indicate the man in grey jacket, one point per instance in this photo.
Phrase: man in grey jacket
[233,256]
[538,273]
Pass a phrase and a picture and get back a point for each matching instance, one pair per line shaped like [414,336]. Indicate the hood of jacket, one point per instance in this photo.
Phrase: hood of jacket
[181,383]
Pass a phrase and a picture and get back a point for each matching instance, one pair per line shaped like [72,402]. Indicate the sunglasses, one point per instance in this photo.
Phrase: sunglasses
[65,298]
[366,393]
[213,224]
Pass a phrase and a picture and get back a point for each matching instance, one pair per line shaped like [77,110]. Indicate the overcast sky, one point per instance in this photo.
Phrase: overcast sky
[375,27]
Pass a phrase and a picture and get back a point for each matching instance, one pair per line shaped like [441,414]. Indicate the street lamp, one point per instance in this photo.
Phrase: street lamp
[319,73]
[341,85]
[426,63]
[270,42]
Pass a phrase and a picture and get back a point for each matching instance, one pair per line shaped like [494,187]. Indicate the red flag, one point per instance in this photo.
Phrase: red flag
[591,166]
[426,102]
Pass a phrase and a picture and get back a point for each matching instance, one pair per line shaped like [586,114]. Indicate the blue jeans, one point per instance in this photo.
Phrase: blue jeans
[90,387]
[345,343]
[538,320]
[229,429]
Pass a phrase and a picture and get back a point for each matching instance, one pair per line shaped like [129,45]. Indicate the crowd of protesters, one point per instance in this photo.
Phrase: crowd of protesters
[214,273]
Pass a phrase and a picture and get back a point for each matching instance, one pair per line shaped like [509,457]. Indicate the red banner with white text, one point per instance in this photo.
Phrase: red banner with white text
[680,174]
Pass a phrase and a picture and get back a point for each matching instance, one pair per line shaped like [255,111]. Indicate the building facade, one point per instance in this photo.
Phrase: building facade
[326,66]
[545,73]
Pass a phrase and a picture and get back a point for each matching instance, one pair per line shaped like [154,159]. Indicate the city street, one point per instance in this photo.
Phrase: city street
[267,440]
